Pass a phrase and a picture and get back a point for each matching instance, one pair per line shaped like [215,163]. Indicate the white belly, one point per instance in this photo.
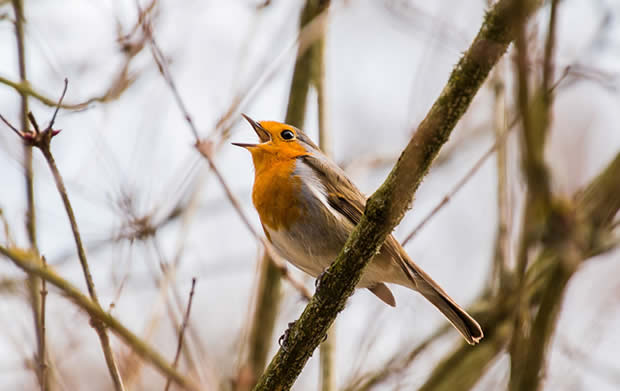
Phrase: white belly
[299,255]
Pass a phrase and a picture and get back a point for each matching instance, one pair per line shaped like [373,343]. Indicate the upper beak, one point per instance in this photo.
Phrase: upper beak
[262,134]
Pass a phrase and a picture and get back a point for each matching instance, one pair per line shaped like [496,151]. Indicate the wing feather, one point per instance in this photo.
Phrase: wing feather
[342,194]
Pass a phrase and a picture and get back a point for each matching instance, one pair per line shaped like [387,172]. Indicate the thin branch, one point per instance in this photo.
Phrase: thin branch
[162,65]
[502,240]
[62,97]
[194,359]
[182,332]
[7,231]
[43,359]
[100,328]
[30,263]
[13,128]
[386,207]
[31,228]
[120,84]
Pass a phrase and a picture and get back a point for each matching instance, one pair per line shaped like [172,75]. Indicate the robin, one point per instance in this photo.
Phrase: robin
[308,207]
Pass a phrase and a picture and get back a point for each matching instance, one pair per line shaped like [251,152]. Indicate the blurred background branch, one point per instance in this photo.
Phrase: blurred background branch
[34,284]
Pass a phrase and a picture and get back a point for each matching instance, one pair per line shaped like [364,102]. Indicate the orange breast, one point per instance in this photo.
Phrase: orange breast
[276,193]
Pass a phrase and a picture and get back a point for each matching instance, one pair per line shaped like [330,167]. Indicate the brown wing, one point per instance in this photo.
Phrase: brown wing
[342,194]
[346,199]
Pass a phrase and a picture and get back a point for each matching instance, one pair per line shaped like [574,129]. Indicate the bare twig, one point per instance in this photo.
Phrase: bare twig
[31,228]
[43,359]
[182,331]
[5,227]
[13,128]
[120,84]
[162,65]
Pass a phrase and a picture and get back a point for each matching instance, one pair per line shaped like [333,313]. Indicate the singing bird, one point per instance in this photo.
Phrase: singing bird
[308,207]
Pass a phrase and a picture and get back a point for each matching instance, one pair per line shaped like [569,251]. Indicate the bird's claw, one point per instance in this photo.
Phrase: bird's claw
[282,341]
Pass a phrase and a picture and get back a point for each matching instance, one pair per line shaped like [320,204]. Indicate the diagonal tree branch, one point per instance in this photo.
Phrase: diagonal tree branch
[386,207]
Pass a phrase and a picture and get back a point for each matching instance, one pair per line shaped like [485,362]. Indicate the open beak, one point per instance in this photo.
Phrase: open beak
[262,134]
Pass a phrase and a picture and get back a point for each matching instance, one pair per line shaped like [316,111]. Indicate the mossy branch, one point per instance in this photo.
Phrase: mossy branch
[386,207]
[30,263]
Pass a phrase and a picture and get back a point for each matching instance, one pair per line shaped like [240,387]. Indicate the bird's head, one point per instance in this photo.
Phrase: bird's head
[278,141]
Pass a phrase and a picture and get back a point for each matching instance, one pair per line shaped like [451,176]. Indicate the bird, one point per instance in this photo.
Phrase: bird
[308,207]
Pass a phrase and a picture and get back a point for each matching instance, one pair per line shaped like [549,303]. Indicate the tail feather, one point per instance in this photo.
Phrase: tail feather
[460,319]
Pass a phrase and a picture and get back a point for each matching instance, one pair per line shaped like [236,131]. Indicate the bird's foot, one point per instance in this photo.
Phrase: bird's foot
[282,341]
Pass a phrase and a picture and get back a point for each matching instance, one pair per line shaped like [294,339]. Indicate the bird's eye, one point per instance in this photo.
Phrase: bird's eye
[287,135]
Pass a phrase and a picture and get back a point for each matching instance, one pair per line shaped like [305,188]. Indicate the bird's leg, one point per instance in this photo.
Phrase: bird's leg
[282,341]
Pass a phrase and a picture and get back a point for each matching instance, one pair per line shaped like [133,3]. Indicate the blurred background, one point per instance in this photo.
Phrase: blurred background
[153,216]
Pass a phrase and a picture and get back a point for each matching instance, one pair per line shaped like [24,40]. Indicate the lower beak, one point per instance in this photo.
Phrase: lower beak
[243,145]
